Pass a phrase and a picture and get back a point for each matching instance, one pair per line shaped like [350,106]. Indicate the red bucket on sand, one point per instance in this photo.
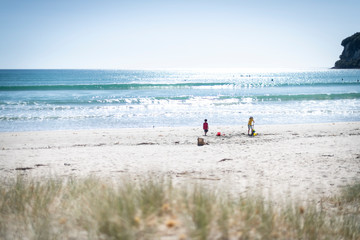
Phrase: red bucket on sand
[218,134]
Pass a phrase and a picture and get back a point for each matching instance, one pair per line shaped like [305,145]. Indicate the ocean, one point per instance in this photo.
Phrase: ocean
[32,100]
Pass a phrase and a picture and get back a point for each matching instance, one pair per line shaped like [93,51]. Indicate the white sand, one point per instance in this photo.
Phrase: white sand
[312,160]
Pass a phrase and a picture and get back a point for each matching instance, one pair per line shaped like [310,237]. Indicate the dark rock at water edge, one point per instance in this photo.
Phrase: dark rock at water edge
[350,57]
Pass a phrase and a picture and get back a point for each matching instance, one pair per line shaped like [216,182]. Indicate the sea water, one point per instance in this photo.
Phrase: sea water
[84,99]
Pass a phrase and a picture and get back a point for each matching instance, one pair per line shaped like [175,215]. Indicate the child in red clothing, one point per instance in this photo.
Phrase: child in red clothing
[206,127]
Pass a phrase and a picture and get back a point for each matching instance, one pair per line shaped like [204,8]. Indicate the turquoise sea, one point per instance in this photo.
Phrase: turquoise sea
[84,99]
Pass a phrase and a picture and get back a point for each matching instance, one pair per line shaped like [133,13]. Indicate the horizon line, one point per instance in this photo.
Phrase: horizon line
[180,68]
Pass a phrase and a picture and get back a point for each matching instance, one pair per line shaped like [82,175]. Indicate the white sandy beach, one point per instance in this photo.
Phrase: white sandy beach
[311,160]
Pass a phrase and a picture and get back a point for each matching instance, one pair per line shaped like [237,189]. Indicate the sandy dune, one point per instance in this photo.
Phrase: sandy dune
[311,160]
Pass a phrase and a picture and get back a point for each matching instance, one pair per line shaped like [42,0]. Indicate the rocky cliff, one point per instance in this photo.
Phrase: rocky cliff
[350,57]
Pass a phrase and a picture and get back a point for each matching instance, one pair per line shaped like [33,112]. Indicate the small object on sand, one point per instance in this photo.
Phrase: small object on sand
[201,142]
[146,143]
[225,159]
[253,133]
[23,168]
[40,165]
[218,134]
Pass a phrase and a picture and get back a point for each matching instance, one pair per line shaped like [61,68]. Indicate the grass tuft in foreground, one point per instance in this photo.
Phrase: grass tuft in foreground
[153,208]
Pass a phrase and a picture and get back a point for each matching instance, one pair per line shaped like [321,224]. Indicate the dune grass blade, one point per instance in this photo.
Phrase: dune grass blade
[29,203]
[352,193]
[200,206]
[223,218]
[151,196]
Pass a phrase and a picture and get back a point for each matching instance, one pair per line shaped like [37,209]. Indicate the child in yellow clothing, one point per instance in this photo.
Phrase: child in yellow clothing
[251,125]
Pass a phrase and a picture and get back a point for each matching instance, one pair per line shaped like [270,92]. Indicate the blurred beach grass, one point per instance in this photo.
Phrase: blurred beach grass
[155,208]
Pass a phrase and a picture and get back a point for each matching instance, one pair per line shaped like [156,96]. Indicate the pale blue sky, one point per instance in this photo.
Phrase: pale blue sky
[174,34]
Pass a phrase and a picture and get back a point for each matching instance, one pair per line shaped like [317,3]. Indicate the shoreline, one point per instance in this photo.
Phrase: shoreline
[198,126]
[297,160]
